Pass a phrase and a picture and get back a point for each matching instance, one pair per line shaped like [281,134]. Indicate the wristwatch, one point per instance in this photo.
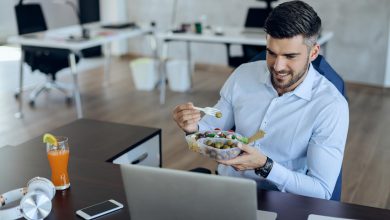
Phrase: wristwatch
[265,169]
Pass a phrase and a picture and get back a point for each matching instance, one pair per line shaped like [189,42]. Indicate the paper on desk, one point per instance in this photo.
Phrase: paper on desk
[321,217]
[265,215]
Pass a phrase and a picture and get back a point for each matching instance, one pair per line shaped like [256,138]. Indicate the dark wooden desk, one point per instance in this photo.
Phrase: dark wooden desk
[94,144]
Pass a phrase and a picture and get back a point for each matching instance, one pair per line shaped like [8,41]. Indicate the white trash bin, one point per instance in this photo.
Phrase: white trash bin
[179,79]
[144,73]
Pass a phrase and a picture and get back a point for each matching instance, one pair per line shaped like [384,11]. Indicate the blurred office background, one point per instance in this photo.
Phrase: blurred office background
[359,52]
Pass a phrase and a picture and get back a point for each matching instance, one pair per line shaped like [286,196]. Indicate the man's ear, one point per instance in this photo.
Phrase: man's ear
[315,50]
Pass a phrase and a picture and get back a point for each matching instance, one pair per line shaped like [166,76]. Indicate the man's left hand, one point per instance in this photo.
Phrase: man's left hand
[250,159]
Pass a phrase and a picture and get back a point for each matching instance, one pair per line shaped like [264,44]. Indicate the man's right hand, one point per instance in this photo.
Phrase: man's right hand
[187,117]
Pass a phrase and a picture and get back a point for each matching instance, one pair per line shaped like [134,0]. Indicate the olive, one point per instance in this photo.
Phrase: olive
[218,114]
[218,145]
[225,146]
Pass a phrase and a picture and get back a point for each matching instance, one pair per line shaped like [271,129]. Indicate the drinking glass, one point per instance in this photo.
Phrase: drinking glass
[58,159]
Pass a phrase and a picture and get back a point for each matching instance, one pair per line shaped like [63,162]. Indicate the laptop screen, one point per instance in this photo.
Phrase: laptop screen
[165,194]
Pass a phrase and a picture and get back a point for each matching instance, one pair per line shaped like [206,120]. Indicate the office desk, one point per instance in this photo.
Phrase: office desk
[94,144]
[59,38]
[231,35]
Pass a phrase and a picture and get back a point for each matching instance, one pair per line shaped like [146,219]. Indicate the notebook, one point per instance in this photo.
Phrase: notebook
[166,194]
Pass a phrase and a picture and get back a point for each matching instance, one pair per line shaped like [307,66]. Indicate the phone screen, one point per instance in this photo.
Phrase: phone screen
[99,208]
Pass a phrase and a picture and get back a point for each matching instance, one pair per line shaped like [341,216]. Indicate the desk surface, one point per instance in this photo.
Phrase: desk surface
[59,38]
[231,35]
[94,180]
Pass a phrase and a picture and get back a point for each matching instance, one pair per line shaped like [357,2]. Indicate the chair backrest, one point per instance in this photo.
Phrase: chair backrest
[323,67]
[30,18]
[256,17]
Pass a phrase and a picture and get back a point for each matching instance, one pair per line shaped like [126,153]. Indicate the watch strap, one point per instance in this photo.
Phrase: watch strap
[265,169]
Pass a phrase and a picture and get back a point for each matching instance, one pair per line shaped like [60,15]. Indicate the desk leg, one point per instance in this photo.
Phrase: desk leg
[107,63]
[19,93]
[162,71]
[189,62]
[72,64]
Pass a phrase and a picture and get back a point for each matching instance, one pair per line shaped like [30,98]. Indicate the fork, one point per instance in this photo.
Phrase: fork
[208,110]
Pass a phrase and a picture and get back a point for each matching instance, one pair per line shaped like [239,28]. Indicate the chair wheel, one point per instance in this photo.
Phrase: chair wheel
[31,103]
[16,95]
[68,100]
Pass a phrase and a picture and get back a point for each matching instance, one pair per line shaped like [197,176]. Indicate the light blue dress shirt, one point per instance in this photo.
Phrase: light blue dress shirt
[306,129]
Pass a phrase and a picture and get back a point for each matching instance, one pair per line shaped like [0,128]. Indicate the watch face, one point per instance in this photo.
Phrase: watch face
[266,169]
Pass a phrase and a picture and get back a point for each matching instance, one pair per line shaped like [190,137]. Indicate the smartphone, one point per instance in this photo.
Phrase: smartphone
[99,209]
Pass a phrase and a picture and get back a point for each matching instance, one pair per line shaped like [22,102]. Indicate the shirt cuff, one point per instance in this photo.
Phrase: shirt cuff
[279,176]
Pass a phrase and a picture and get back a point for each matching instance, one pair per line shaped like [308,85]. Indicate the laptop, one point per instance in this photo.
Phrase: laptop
[166,194]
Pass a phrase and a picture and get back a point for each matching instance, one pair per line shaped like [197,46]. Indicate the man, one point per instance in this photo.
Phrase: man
[303,114]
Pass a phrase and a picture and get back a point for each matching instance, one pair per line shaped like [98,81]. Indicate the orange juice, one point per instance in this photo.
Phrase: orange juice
[58,160]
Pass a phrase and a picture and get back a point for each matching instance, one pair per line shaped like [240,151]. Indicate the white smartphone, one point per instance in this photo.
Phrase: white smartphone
[99,209]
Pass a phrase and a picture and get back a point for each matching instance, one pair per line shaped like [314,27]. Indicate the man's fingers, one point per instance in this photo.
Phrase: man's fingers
[234,161]
[236,168]
[182,107]
[245,148]
[188,117]
[183,113]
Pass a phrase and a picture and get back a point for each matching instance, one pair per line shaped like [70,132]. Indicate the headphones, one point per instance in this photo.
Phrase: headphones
[35,203]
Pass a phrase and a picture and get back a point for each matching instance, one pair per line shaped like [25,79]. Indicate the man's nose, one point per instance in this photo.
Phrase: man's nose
[279,64]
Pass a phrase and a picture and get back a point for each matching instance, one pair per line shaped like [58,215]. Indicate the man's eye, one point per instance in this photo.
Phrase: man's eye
[271,54]
[291,57]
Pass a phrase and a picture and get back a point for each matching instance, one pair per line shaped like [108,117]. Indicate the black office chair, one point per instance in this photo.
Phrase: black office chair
[255,19]
[30,19]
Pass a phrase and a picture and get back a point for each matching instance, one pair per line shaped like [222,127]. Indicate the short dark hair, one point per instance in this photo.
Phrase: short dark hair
[293,18]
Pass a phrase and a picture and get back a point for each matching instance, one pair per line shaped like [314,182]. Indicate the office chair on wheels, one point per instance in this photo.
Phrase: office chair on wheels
[49,61]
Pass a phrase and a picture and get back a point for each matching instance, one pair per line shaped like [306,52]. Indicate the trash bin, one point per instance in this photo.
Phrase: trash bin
[144,73]
[179,78]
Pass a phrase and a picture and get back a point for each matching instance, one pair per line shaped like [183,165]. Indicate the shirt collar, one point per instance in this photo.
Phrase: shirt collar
[303,90]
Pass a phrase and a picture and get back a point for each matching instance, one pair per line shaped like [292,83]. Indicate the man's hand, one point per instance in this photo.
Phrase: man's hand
[187,117]
[249,160]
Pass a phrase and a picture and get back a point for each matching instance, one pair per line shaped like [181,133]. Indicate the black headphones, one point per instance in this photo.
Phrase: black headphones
[35,203]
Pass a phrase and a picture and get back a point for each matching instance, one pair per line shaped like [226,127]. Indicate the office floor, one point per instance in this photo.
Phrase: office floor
[366,177]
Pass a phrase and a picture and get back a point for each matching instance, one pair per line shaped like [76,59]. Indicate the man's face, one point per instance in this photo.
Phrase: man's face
[288,60]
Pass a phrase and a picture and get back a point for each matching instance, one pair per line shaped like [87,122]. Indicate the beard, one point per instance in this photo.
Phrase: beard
[294,78]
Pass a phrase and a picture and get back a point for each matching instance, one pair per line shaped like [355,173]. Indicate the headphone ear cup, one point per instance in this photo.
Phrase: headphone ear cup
[35,205]
[42,185]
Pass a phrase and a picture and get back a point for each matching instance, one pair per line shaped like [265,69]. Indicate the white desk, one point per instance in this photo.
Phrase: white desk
[231,35]
[59,38]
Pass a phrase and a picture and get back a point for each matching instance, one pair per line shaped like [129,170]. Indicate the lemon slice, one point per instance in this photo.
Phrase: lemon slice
[51,139]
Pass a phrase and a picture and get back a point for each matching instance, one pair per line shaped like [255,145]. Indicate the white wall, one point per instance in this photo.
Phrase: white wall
[56,15]
[115,11]
[358,50]
[7,19]
[387,75]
